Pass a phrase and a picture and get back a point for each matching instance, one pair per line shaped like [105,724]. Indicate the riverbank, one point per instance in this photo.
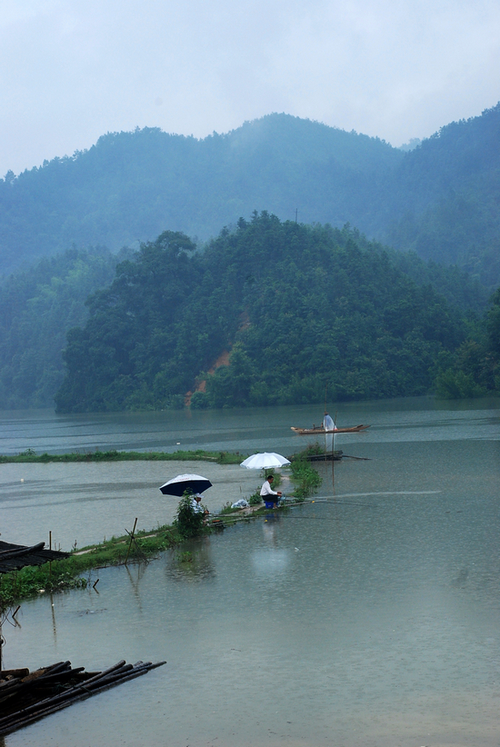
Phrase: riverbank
[217,457]
[135,546]
[66,574]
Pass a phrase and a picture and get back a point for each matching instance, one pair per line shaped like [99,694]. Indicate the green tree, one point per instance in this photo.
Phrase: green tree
[189,522]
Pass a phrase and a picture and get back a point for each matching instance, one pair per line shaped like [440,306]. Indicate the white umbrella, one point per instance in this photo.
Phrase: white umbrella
[265,461]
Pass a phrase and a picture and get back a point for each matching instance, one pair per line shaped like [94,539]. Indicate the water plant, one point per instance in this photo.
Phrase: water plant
[311,450]
[305,478]
[255,498]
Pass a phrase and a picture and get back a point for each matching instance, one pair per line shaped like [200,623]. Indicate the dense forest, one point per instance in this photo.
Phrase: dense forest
[37,307]
[291,308]
[474,368]
[447,193]
[439,200]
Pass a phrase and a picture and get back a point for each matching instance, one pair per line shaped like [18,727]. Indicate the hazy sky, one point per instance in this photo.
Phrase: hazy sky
[397,69]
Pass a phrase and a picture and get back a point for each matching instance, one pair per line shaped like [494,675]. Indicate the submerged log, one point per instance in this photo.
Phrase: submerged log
[37,694]
[327,456]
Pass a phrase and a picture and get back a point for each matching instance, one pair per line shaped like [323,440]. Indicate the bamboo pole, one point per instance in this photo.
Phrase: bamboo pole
[117,674]
[132,538]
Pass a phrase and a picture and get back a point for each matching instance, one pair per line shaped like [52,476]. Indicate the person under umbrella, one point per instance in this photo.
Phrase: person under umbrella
[267,490]
[196,505]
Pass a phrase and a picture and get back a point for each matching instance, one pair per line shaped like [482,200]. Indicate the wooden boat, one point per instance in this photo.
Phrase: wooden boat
[319,430]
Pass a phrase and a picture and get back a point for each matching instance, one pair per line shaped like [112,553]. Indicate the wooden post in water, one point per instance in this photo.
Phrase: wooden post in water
[333,462]
[132,538]
[1,643]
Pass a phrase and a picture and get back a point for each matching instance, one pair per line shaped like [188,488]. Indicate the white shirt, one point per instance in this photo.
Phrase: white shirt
[266,489]
[197,507]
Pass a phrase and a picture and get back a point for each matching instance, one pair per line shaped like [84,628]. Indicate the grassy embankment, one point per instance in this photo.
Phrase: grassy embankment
[218,457]
[70,573]
[67,574]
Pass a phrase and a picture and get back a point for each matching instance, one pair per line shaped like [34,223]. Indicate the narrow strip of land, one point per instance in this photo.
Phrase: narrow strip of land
[134,546]
[218,457]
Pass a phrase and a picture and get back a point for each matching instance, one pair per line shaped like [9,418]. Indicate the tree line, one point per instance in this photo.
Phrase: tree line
[296,307]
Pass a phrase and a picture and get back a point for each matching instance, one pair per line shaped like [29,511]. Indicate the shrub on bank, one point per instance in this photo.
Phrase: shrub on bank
[189,523]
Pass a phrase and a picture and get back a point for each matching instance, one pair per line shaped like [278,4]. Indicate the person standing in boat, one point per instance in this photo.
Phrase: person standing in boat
[328,423]
[267,490]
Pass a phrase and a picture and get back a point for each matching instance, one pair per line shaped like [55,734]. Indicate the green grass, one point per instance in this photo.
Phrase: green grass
[218,457]
[305,478]
[311,450]
[255,498]
[67,574]
[75,571]
[226,510]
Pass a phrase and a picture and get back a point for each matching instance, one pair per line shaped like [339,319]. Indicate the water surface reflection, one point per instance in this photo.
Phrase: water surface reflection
[367,618]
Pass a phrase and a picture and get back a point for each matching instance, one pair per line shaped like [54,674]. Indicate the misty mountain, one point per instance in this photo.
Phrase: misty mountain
[439,199]
[446,196]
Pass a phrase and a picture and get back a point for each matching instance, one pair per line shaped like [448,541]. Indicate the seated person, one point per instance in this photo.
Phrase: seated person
[196,505]
[266,490]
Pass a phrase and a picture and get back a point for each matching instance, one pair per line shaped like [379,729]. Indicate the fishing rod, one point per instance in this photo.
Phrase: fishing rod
[290,503]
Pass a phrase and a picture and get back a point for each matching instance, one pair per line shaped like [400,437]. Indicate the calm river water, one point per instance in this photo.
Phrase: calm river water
[369,618]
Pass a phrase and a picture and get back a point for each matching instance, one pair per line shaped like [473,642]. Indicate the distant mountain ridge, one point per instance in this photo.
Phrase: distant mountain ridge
[440,199]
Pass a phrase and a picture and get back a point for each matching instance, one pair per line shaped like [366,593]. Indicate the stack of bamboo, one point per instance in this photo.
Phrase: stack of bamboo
[26,697]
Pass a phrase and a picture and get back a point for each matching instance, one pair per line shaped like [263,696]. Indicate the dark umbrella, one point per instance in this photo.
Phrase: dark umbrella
[178,485]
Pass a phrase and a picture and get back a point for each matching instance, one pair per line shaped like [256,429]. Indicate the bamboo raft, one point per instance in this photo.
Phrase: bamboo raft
[26,697]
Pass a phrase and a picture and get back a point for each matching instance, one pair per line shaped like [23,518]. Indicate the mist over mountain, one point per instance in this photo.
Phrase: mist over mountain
[439,199]
[37,308]
[320,191]
[446,196]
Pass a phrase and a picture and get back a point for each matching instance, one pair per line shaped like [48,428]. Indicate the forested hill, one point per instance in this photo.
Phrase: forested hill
[440,199]
[296,307]
[37,307]
[446,196]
